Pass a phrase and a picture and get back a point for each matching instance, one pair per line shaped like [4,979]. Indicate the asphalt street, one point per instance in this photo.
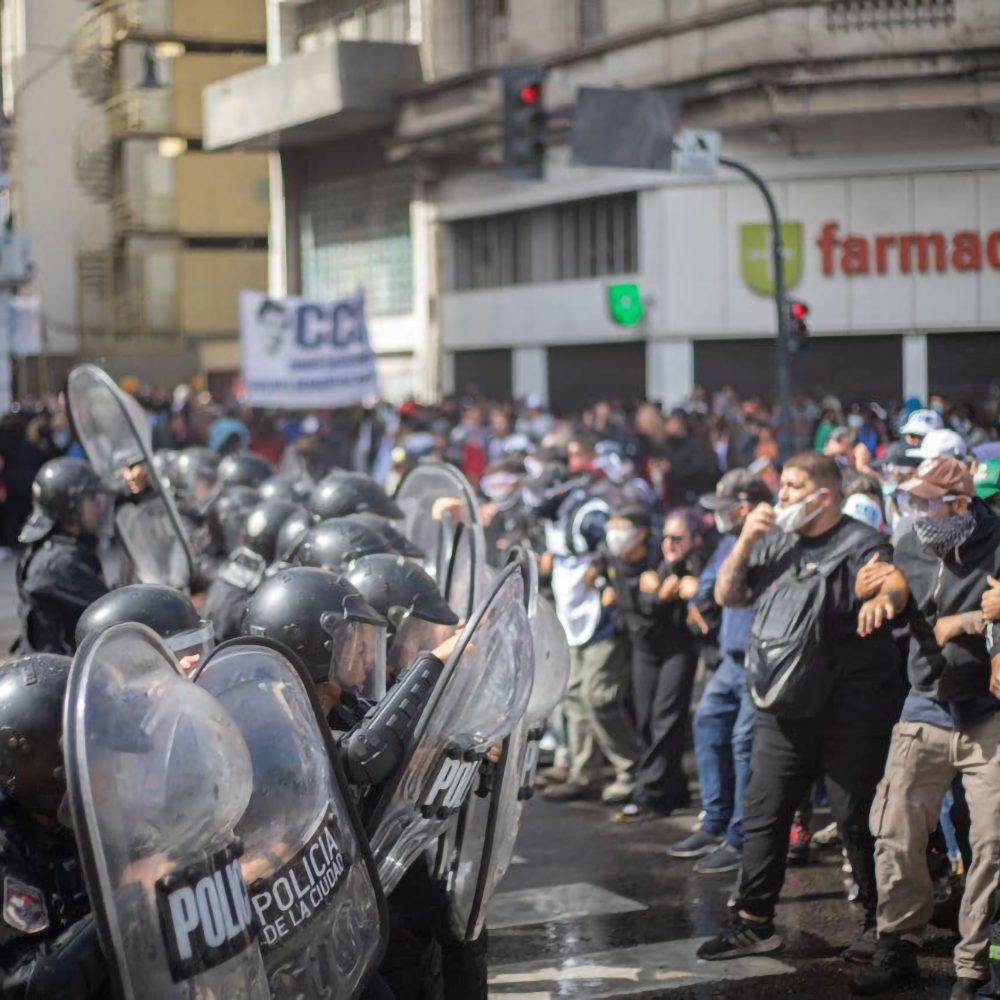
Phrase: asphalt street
[595,910]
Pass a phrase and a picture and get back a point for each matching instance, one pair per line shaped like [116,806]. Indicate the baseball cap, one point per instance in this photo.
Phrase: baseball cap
[736,486]
[987,479]
[865,509]
[940,442]
[922,422]
[639,515]
[940,477]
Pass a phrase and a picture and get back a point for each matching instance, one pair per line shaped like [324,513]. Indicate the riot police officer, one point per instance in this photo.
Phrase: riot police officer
[60,572]
[48,942]
[193,477]
[244,469]
[332,544]
[350,493]
[395,540]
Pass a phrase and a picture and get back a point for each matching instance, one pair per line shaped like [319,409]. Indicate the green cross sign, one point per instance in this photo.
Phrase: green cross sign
[625,304]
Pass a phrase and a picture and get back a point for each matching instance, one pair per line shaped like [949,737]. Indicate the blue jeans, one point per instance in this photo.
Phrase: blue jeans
[723,738]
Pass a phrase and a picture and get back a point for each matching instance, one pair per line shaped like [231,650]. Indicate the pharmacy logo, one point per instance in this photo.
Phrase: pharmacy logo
[755,255]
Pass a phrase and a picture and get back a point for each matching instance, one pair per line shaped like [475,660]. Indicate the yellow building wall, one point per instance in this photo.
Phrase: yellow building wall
[221,194]
[219,20]
[209,283]
[195,71]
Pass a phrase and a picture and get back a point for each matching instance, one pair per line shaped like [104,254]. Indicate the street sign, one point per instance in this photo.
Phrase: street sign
[698,152]
[625,128]
[625,304]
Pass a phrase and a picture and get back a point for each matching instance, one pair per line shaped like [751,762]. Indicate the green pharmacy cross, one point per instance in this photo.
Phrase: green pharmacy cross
[625,304]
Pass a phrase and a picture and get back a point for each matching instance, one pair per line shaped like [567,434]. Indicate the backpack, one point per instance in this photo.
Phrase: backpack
[789,662]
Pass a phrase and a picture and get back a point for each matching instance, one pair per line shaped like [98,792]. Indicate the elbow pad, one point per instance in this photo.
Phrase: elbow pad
[374,748]
[71,968]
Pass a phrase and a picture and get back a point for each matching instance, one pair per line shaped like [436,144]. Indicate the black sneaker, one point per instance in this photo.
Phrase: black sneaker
[724,859]
[893,965]
[863,950]
[745,937]
[700,843]
[965,988]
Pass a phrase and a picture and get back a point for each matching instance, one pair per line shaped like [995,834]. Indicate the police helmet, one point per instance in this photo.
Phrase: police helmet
[262,524]
[244,469]
[291,533]
[390,582]
[226,514]
[59,490]
[350,493]
[279,487]
[333,544]
[395,540]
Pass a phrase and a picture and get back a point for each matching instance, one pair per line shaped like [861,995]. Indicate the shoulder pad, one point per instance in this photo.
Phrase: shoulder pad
[24,907]
[243,570]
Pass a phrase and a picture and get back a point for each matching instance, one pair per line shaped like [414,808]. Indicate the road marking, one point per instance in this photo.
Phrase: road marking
[522,907]
[624,972]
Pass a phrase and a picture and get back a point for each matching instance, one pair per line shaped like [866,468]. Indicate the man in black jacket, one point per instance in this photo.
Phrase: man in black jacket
[950,725]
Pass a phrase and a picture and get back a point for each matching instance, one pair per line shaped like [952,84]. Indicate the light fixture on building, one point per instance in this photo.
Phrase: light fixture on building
[172,146]
[170,50]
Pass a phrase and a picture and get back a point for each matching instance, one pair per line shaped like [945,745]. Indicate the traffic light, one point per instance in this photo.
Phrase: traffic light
[524,122]
[798,329]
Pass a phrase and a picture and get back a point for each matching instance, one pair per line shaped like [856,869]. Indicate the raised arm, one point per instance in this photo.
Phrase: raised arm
[731,587]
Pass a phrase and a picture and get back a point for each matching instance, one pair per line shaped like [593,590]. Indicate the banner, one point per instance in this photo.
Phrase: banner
[304,354]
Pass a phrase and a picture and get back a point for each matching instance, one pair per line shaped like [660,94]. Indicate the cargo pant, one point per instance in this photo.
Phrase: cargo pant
[923,759]
[597,722]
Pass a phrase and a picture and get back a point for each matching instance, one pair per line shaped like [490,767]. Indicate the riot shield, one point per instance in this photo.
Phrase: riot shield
[454,546]
[114,432]
[477,853]
[158,776]
[478,699]
[313,885]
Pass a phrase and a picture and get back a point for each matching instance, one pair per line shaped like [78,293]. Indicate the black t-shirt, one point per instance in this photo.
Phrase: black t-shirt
[779,552]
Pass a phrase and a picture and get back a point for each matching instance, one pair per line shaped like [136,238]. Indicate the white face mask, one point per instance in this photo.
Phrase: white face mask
[621,541]
[796,516]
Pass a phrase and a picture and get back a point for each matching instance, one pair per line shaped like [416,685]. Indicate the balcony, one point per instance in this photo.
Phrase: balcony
[340,89]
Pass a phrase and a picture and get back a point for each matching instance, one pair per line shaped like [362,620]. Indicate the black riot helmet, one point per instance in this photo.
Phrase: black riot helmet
[226,514]
[333,544]
[168,612]
[196,472]
[244,469]
[395,540]
[325,621]
[32,689]
[165,463]
[350,493]
[292,532]
[285,488]
[263,524]
[59,491]
[408,597]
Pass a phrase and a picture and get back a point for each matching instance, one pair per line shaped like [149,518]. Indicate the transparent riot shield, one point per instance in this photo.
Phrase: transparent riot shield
[158,776]
[114,433]
[477,701]
[451,537]
[313,885]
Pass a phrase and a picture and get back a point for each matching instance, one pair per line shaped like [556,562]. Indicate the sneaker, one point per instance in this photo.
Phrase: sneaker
[634,813]
[893,965]
[965,988]
[863,950]
[699,843]
[724,859]
[552,776]
[829,836]
[569,791]
[799,838]
[617,792]
[745,937]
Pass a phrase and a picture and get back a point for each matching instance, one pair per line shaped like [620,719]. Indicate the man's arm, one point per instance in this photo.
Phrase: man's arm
[892,597]
[732,588]
[995,677]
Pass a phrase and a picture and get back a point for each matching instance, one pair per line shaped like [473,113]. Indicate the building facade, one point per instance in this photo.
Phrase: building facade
[873,121]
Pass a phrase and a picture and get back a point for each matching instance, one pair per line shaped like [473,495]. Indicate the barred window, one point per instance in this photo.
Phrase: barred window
[859,15]
[566,242]
[355,233]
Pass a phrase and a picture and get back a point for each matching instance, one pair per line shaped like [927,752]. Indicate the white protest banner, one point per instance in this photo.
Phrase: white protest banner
[305,354]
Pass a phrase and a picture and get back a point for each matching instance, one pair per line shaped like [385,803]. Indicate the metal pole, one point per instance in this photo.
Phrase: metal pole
[783,370]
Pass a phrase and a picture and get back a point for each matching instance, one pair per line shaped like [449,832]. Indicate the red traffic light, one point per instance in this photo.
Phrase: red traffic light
[530,94]
[799,310]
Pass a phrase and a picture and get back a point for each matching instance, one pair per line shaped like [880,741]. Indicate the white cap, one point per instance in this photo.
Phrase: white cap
[939,442]
[922,422]
[309,425]
[866,510]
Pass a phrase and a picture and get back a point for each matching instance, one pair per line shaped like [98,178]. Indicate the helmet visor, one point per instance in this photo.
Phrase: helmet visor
[357,656]
[415,635]
[192,646]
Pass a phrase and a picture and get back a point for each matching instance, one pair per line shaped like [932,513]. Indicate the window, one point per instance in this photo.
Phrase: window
[859,15]
[323,22]
[591,20]
[487,30]
[355,233]
[577,239]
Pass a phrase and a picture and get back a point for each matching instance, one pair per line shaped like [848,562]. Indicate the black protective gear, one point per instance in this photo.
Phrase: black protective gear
[292,532]
[302,608]
[194,466]
[168,612]
[351,493]
[32,689]
[244,469]
[395,540]
[165,462]
[225,604]
[58,491]
[262,525]
[226,514]
[333,544]
[57,580]
[393,585]
[280,487]
[373,749]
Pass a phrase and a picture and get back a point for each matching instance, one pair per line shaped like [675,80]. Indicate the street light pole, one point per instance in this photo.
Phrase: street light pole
[783,371]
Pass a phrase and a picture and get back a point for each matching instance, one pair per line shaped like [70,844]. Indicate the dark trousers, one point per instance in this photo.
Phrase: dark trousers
[661,688]
[847,742]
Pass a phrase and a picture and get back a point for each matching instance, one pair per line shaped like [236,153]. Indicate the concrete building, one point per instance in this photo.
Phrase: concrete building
[875,123]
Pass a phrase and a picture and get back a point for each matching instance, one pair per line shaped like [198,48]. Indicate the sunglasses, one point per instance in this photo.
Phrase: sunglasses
[676,539]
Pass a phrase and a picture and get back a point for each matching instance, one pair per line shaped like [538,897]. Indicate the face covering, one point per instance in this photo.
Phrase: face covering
[724,523]
[795,516]
[621,540]
[943,535]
